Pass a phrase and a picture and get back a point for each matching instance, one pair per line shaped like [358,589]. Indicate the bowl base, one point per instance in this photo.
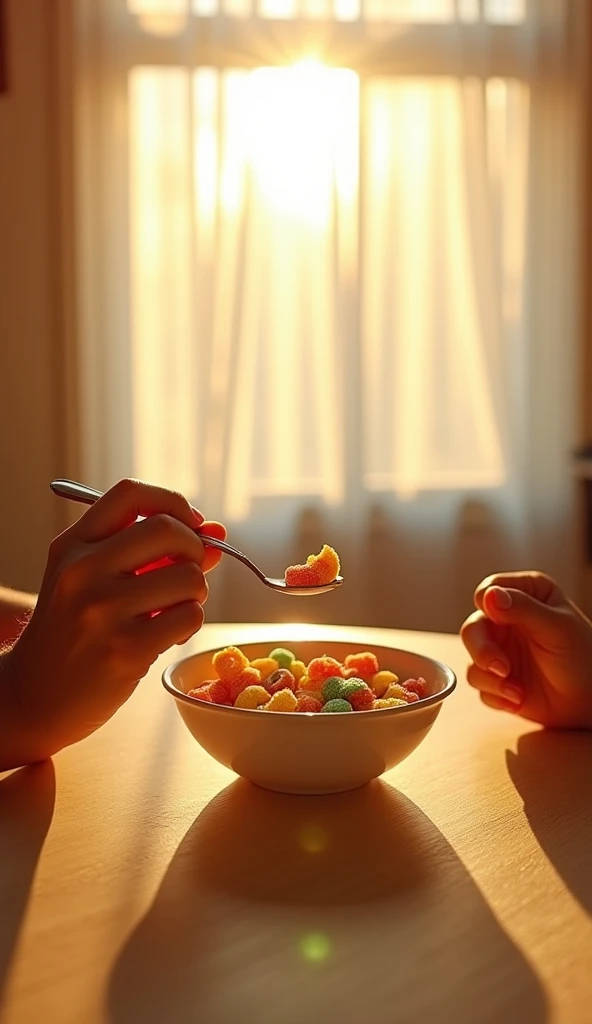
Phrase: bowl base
[311,791]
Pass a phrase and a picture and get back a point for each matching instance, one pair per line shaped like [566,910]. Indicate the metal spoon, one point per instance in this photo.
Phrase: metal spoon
[88,496]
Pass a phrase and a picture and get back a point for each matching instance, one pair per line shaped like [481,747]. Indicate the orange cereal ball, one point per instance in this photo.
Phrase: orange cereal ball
[248,677]
[283,700]
[229,662]
[252,697]
[365,664]
[307,703]
[265,666]
[381,681]
[319,569]
[320,669]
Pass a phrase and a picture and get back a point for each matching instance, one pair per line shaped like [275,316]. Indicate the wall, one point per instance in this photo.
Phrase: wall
[30,356]
[584,595]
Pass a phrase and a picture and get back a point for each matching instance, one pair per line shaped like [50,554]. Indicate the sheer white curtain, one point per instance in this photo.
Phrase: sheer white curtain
[328,263]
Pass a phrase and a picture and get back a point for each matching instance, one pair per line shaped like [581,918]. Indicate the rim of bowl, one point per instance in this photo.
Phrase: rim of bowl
[423,702]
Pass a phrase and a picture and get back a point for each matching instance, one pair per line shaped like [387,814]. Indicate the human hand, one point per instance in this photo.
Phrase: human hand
[101,619]
[531,650]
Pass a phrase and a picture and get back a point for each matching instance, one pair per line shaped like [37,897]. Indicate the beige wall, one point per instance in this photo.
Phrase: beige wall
[29,356]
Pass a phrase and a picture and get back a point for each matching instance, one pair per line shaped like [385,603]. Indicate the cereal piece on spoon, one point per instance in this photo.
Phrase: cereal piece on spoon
[319,570]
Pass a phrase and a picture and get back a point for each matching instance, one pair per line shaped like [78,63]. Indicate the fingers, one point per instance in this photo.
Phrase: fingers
[504,691]
[479,636]
[172,626]
[498,703]
[211,555]
[535,584]
[125,502]
[543,623]
[162,588]
[148,541]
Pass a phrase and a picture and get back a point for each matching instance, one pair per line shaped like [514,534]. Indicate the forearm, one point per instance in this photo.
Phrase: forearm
[15,609]
[13,741]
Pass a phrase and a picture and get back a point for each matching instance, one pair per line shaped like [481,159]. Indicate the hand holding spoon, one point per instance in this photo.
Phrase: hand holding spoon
[88,495]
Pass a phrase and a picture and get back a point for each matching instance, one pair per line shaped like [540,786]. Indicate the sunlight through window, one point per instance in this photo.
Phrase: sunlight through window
[164,16]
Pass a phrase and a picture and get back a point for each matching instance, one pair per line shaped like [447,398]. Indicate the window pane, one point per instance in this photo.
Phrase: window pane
[443,277]
[158,14]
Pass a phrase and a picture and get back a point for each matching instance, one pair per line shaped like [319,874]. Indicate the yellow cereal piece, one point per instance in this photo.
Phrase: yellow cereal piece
[387,702]
[298,669]
[283,700]
[381,682]
[395,690]
[303,682]
[229,662]
[265,666]
[252,697]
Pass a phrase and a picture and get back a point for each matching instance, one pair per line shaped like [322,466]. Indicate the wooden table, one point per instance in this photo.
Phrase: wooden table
[142,883]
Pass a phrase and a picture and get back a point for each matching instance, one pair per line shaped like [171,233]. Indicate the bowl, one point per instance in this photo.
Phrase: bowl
[310,753]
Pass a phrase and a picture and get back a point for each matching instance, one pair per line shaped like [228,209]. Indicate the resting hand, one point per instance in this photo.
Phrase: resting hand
[531,650]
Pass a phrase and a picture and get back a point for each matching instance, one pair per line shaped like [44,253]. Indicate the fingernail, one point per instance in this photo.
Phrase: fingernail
[501,598]
[200,519]
[499,668]
[513,694]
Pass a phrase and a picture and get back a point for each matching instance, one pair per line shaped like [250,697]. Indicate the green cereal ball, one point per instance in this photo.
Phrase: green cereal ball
[332,688]
[337,705]
[351,686]
[283,657]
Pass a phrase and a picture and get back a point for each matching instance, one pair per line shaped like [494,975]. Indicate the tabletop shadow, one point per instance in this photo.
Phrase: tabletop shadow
[552,772]
[27,799]
[280,909]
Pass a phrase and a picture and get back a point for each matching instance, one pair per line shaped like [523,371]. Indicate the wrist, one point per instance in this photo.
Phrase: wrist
[19,744]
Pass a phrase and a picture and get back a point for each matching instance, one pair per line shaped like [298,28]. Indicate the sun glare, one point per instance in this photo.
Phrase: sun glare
[300,137]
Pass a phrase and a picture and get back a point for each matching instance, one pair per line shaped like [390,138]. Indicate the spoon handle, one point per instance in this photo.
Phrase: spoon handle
[88,495]
[75,491]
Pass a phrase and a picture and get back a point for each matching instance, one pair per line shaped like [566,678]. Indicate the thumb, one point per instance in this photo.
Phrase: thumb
[508,607]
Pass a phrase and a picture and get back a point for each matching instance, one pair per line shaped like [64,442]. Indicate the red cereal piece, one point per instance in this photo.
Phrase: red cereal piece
[220,691]
[365,664]
[248,677]
[308,703]
[202,692]
[320,669]
[350,673]
[361,700]
[410,696]
[281,679]
[418,686]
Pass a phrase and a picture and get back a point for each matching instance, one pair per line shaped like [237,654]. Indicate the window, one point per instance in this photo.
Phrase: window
[334,247]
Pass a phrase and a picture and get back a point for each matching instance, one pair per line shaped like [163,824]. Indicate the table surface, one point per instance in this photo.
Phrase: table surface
[140,881]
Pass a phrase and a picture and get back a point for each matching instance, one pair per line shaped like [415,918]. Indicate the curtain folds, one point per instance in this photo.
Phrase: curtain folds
[337,303]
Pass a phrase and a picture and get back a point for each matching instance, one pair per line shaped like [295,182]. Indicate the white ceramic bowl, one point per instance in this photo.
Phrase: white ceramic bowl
[310,753]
